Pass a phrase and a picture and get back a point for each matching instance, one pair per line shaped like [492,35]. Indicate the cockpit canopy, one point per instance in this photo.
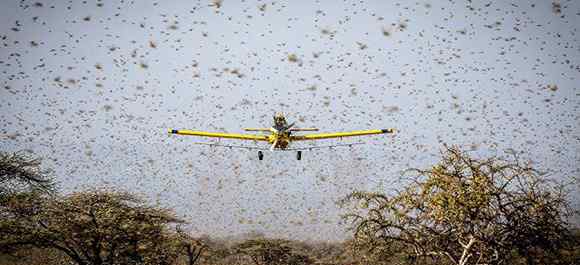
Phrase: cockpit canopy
[279,119]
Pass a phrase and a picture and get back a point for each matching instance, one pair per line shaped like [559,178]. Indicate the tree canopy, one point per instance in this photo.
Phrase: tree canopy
[463,210]
[265,251]
[89,227]
[22,173]
[94,227]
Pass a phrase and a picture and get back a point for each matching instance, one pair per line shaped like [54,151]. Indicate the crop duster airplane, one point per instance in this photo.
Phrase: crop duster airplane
[281,135]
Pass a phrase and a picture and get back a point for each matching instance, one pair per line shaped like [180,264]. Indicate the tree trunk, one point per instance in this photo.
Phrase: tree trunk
[465,256]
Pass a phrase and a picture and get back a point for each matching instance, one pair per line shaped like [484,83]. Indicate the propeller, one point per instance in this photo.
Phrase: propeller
[278,131]
[274,144]
[289,126]
[283,129]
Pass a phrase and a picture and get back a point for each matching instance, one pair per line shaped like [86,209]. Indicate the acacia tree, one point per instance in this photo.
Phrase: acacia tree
[193,248]
[264,251]
[463,211]
[93,227]
[22,174]
[23,186]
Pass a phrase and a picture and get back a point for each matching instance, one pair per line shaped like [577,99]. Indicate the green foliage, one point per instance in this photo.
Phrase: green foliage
[271,252]
[459,211]
[94,228]
[462,211]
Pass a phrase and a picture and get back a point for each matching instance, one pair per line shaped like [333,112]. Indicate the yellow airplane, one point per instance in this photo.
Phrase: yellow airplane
[280,136]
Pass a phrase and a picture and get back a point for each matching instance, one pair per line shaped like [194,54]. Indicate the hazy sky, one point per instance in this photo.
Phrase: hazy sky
[93,86]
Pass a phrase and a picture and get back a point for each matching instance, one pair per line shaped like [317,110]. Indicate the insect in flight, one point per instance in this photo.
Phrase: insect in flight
[280,137]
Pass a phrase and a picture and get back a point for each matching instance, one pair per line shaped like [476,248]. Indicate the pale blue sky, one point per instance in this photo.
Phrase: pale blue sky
[94,89]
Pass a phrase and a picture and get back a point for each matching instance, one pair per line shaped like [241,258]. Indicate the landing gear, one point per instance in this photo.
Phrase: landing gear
[299,155]
[260,155]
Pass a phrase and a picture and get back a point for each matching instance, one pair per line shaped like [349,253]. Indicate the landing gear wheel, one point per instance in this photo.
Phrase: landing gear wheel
[299,155]
[260,155]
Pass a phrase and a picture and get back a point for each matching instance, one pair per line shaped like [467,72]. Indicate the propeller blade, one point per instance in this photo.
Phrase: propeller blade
[274,145]
[289,126]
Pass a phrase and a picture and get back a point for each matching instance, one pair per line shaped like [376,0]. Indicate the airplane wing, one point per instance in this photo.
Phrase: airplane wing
[305,148]
[252,137]
[234,146]
[309,148]
[319,136]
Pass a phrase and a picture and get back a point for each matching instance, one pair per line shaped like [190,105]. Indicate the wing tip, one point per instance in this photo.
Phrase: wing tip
[389,130]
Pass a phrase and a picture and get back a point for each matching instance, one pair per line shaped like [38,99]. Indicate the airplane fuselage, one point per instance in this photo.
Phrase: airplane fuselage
[282,140]
[280,135]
